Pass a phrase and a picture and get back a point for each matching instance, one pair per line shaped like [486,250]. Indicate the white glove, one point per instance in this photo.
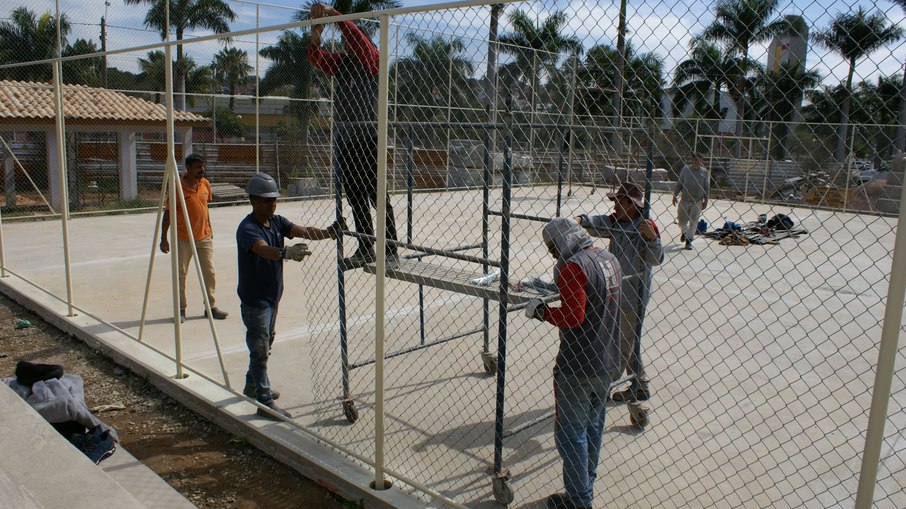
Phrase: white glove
[296,252]
[535,309]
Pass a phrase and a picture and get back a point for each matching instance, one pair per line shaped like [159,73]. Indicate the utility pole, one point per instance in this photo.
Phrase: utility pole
[104,41]
[617,137]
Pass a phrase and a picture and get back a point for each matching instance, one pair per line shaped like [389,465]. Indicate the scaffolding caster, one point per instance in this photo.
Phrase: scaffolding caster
[638,415]
[349,411]
[490,362]
[503,493]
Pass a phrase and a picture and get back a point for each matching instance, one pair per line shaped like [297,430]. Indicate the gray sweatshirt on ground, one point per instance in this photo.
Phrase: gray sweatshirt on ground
[693,184]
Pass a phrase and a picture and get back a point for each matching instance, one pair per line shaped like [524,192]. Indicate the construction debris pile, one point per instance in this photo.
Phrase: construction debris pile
[760,232]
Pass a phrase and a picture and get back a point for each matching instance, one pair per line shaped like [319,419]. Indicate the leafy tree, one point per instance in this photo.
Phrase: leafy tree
[231,69]
[854,36]
[213,15]
[26,37]
[739,24]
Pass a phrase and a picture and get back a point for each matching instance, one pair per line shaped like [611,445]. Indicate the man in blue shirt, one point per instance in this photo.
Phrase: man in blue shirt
[260,240]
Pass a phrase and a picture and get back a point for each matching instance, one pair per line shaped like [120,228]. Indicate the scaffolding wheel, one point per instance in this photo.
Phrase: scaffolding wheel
[349,411]
[503,493]
[638,416]
[490,362]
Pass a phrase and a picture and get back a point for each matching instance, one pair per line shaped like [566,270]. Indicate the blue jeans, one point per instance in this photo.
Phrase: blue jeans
[579,430]
[259,337]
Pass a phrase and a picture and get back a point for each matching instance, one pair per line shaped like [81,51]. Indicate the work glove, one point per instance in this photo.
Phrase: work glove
[336,228]
[296,252]
[535,309]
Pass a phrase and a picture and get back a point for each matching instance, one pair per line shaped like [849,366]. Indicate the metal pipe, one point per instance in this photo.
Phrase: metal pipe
[887,354]
[2,256]
[427,250]
[410,182]
[201,282]
[157,227]
[485,207]
[174,181]
[417,348]
[258,91]
[572,115]
[22,168]
[61,161]
[380,251]
[463,247]
[504,301]
[560,172]
[767,168]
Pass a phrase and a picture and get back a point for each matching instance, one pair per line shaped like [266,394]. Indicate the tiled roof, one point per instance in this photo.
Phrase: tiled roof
[32,103]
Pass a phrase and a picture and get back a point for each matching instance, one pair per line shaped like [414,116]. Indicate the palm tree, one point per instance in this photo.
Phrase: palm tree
[643,76]
[783,91]
[708,71]
[738,24]
[853,36]
[198,79]
[231,68]
[213,15]
[900,137]
[86,71]
[351,7]
[435,70]
[537,46]
[27,38]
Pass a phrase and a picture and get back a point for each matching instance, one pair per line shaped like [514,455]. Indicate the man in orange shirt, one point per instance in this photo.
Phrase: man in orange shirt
[197,191]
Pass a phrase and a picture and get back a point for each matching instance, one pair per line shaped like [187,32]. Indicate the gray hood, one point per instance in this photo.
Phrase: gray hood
[567,236]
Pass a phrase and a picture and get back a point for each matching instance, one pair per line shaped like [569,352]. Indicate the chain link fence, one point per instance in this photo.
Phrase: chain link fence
[757,320]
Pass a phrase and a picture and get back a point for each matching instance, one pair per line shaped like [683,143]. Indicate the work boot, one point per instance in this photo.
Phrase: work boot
[641,394]
[182,316]
[682,237]
[249,392]
[562,501]
[272,407]
[217,314]
[360,258]
[688,245]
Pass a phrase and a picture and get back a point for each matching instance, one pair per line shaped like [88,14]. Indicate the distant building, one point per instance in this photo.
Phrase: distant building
[790,47]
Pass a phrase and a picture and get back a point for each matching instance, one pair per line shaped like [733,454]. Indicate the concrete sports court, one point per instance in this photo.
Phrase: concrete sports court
[761,357]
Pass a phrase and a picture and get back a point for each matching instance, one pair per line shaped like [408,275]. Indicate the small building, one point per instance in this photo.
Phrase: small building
[28,107]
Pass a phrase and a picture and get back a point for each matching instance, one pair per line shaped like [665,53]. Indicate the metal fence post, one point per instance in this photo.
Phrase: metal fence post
[381,256]
[61,162]
[887,354]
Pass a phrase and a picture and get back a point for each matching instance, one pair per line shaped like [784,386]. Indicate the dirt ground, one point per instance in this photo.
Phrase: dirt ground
[210,467]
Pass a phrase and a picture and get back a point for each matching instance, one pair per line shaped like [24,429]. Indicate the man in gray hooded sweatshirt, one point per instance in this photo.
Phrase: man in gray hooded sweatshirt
[636,243]
[588,279]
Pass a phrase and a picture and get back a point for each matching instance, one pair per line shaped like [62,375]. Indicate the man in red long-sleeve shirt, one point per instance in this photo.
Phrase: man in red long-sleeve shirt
[355,127]
[588,359]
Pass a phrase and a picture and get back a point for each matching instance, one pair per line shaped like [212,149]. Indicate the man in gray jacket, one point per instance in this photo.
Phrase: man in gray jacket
[636,243]
[692,190]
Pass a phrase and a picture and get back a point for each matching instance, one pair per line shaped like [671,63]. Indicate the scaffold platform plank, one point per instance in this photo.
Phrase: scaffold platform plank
[452,279]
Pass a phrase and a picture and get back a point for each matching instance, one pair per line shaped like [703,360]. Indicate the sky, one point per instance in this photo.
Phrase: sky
[661,26]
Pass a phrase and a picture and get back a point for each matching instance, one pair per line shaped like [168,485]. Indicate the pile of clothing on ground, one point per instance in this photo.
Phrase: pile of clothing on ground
[60,399]
[759,232]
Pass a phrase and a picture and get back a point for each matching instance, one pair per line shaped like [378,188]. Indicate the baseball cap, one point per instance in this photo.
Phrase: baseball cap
[632,191]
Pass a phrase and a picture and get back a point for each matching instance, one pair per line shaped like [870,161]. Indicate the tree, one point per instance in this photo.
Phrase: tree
[26,37]
[351,7]
[213,15]
[739,24]
[702,77]
[853,36]
[85,71]
[900,137]
[643,76]
[537,46]
[783,91]
[231,69]
[435,70]
[227,123]
[152,77]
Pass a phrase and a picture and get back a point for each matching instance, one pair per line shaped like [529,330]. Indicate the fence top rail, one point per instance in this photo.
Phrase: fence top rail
[400,11]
